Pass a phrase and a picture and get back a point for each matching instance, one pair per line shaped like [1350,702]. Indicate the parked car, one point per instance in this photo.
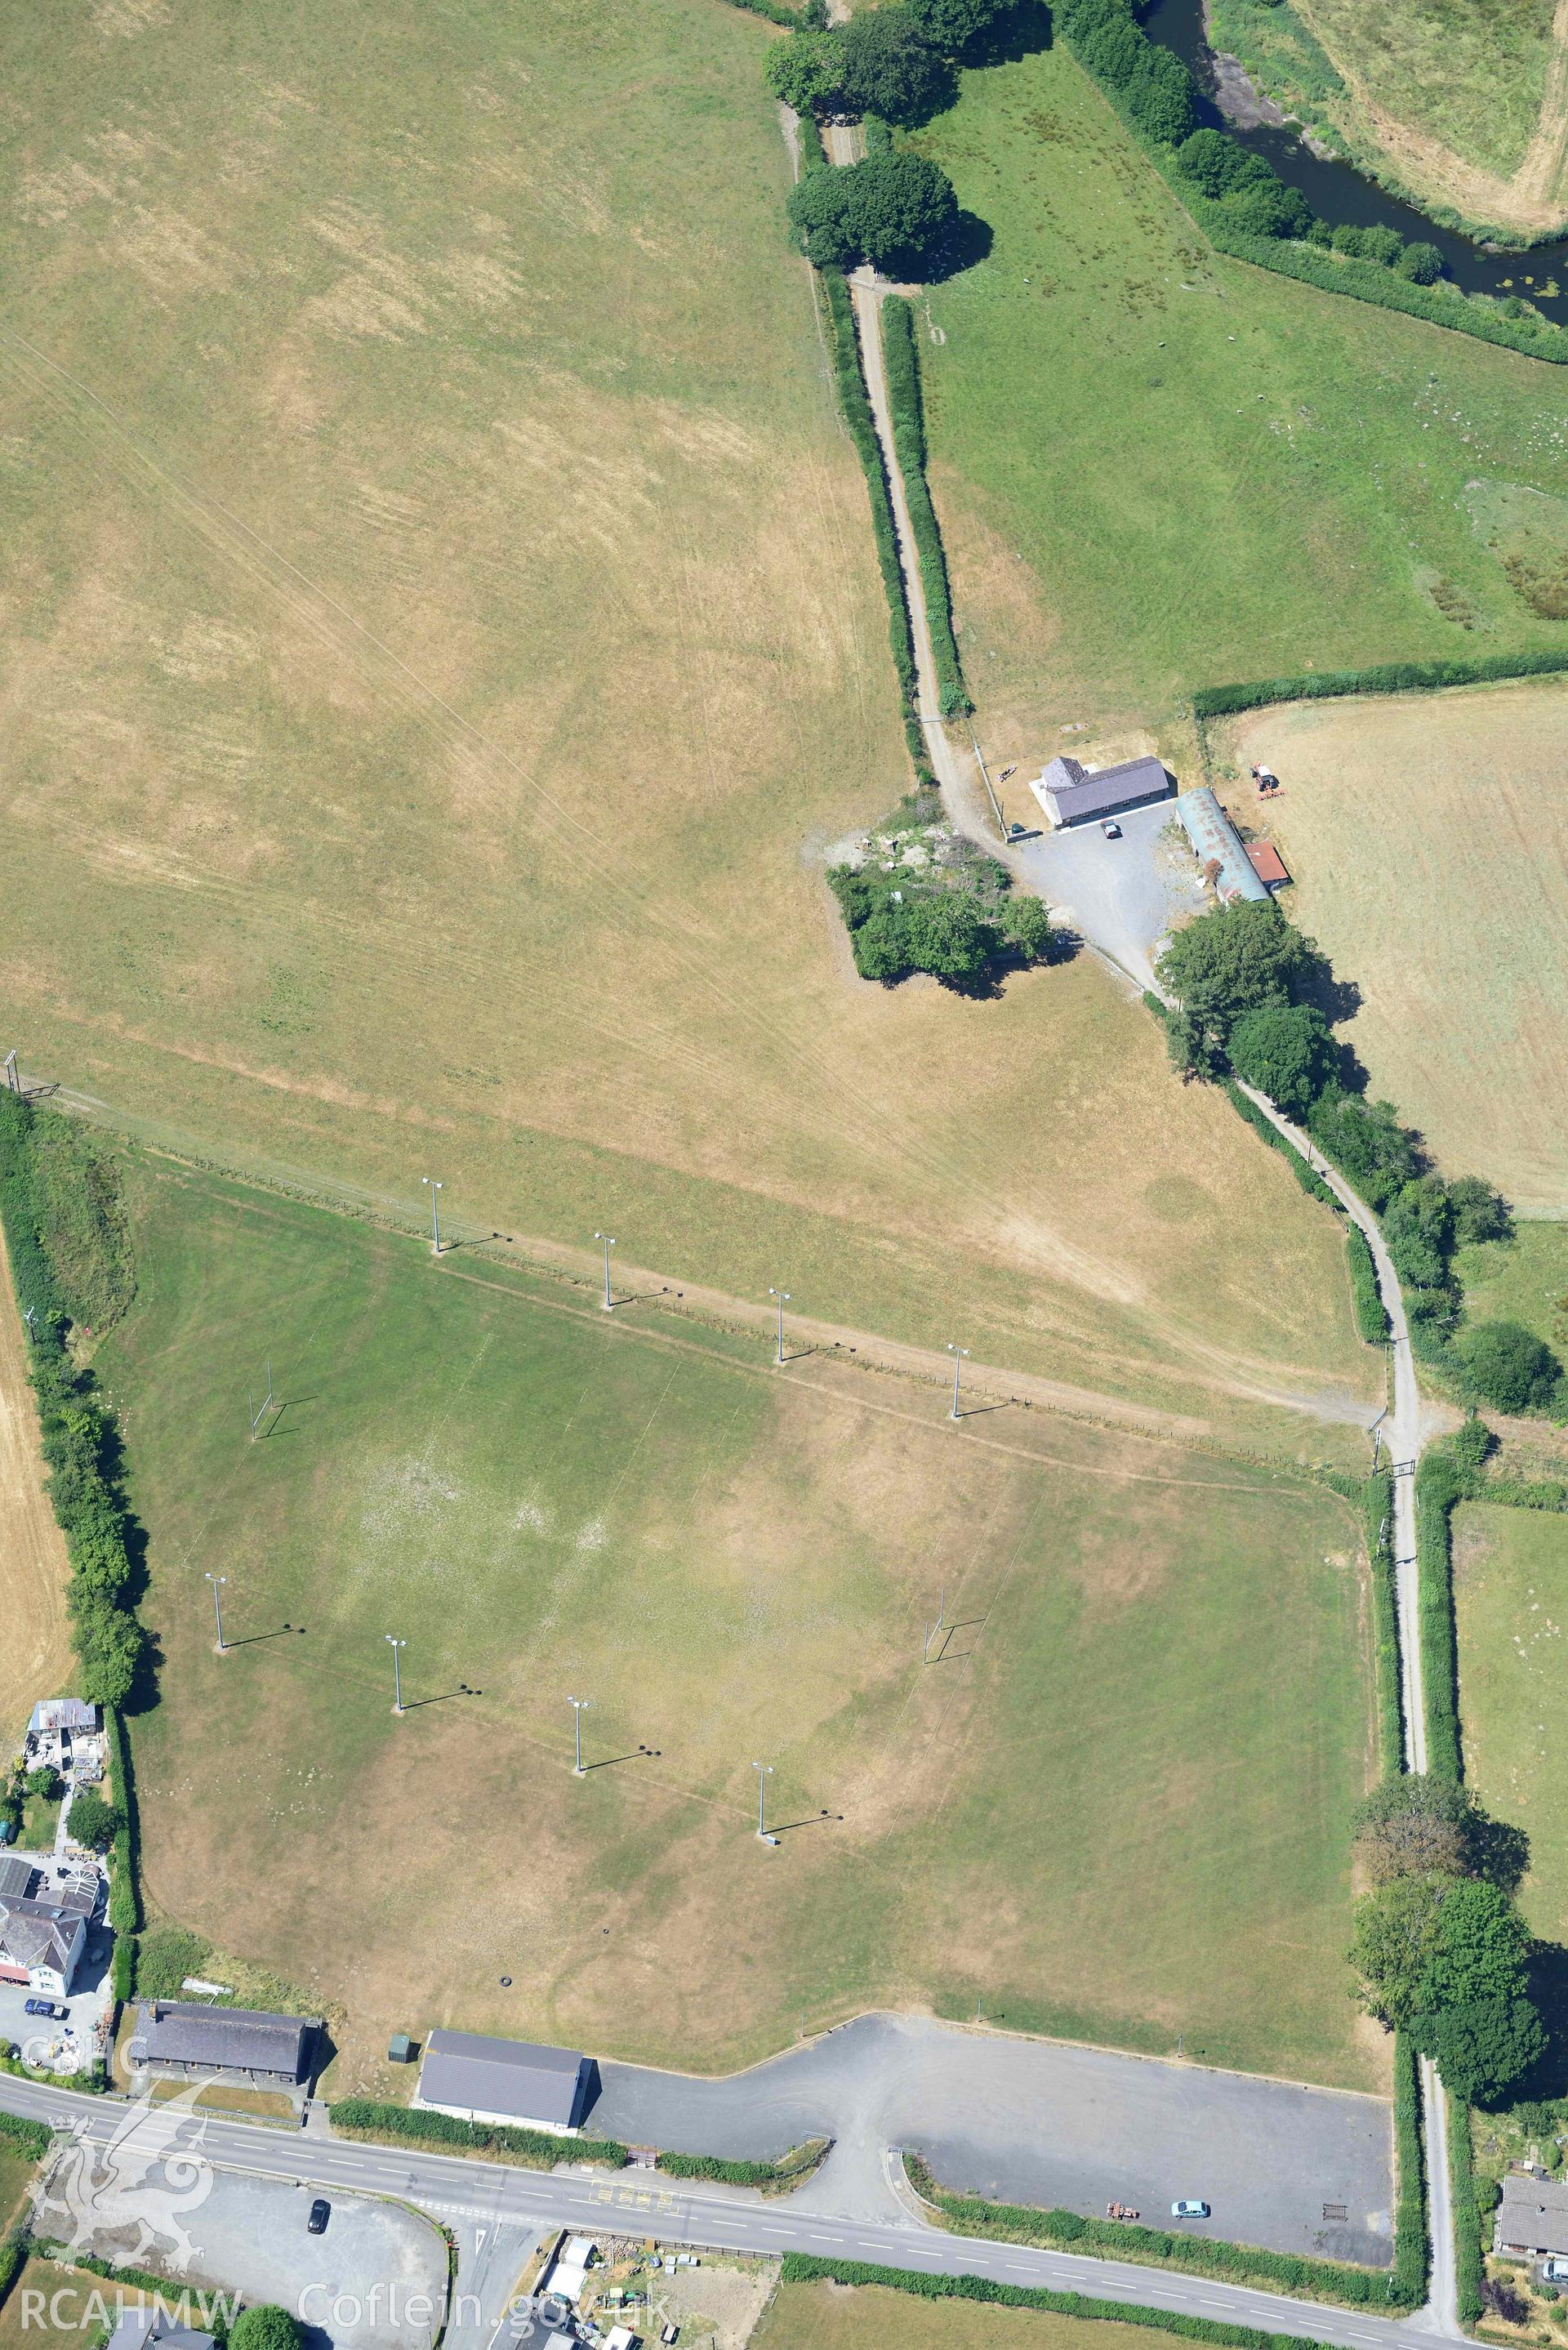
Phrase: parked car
[1189,2208]
[320,2213]
[1554,2271]
[50,2007]
[1111,828]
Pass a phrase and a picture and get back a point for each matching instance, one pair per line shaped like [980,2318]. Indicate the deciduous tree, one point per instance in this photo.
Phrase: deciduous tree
[1286,1051]
[887,67]
[1504,1364]
[1229,962]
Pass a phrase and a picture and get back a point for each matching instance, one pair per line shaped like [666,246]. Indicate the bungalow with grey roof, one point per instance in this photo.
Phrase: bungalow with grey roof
[1073,794]
[513,2080]
[1533,2218]
[185,2037]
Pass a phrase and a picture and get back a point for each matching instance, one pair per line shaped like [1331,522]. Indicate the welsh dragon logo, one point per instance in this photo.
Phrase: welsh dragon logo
[138,2186]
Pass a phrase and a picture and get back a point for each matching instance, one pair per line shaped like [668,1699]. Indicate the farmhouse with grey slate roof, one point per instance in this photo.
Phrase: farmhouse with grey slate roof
[181,2036]
[483,2080]
[1071,793]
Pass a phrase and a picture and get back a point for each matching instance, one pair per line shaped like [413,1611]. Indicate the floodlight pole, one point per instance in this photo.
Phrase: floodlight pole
[395,1644]
[435,1214]
[783,1296]
[957,1354]
[609,1243]
[577,1704]
[217,1582]
[765,1772]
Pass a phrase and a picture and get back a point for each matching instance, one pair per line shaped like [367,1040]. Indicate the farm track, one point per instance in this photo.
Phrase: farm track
[1405,1437]
[1405,1434]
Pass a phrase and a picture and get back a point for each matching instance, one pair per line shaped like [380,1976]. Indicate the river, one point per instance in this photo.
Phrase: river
[1339,194]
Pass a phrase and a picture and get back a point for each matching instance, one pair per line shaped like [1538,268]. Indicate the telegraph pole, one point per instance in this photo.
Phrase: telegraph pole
[957,1354]
[435,1214]
[609,1243]
[783,1296]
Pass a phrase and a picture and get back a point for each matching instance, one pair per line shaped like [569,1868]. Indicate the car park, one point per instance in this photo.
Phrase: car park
[1189,2208]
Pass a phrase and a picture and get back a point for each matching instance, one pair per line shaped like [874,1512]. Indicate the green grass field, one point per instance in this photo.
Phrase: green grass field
[1108,1807]
[1511,1598]
[1522,1280]
[1158,469]
[826,2316]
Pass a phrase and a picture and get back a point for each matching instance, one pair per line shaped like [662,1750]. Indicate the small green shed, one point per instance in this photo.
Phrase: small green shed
[401,2049]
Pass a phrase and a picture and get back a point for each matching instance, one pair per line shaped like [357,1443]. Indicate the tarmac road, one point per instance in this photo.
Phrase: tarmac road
[466,2194]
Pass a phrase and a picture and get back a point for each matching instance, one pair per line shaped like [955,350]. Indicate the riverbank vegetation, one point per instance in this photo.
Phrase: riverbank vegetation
[1444,106]
[1237,199]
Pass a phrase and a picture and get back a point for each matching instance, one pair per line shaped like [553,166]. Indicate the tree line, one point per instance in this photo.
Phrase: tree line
[79,1441]
[1249,987]
[1158,93]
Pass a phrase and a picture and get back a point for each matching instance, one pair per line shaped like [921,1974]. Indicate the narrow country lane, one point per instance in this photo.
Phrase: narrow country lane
[1404,1440]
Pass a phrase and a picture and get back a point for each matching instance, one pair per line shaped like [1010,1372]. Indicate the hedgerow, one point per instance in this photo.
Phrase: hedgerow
[1440,1483]
[1386,1621]
[1526,1494]
[1468,2265]
[537,2149]
[1311,1184]
[795,2166]
[1384,677]
[813,13]
[33,2137]
[1412,2242]
[13,2256]
[1370,1318]
[855,408]
[901,358]
[804,2268]
[1245,2263]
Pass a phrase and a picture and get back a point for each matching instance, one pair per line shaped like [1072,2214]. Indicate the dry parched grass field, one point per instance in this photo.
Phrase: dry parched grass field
[442,641]
[1427,837]
[826,2316]
[1112,1806]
